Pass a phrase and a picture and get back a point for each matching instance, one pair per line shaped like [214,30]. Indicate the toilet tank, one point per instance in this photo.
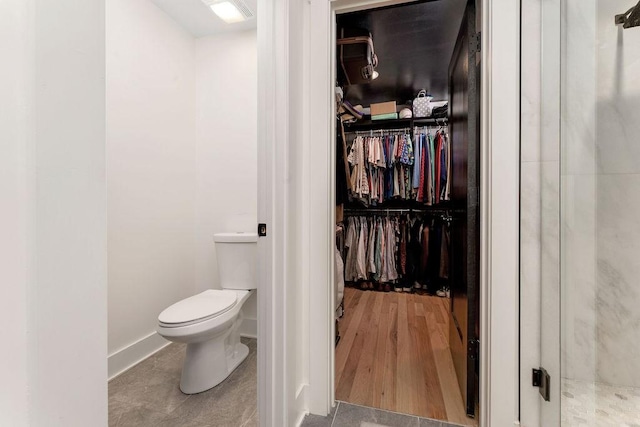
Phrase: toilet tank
[237,255]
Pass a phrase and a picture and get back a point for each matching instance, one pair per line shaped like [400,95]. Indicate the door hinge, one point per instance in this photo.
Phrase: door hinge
[473,349]
[262,230]
[475,43]
[540,378]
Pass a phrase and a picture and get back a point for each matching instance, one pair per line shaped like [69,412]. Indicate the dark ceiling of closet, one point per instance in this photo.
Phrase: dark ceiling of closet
[414,43]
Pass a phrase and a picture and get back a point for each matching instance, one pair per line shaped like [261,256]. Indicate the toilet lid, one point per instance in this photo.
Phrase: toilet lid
[199,307]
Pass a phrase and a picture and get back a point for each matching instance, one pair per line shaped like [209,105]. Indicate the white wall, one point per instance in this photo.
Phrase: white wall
[296,178]
[151,159]
[53,186]
[182,166]
[226,150]
[53,141]
[68,307]
[16,196]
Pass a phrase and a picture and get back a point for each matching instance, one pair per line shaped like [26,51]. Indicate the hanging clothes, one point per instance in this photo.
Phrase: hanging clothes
[405,251]
[400,167]
[381,168]
[432,185]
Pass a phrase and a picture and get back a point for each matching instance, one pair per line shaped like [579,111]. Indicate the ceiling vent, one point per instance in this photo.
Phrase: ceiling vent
[243,8]
[230,11]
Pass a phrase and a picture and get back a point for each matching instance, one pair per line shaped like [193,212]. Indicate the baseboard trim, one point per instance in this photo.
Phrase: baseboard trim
[300,419]
[135,353]
[301,407]
[249,328]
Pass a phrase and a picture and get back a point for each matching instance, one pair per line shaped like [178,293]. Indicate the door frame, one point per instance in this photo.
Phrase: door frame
[499,183]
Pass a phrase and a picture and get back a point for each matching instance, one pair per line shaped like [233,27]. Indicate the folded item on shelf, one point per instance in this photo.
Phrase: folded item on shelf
[355,110]
[349,113]
[345,116]
[389,116]
[436,104]
[440,112]
[380,108]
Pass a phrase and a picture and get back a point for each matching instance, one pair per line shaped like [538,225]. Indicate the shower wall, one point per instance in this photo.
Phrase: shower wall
[600,194]
[617,198]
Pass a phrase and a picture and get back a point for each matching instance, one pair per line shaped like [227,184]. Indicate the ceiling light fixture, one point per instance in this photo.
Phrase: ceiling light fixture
[375,75]
[230,11]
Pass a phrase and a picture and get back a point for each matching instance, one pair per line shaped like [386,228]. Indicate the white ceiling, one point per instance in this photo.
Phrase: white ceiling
[196,17]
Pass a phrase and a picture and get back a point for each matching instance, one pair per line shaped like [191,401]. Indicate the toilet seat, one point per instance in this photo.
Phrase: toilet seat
[198,308]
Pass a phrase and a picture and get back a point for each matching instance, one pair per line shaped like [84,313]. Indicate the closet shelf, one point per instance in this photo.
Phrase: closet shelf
[393,123]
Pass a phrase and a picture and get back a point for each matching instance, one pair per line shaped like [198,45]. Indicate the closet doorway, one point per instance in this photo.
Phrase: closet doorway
[407,209]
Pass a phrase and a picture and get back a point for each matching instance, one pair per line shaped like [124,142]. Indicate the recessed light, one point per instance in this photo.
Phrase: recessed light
[230,11]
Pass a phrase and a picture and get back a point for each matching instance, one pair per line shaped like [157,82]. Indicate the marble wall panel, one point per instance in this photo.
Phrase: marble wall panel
[579,87]
[531,88]
[578,199]
[530,272]
[618,290]
[618,86]
[618,198]
[578,272]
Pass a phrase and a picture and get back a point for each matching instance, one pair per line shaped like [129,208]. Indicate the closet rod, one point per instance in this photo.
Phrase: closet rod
[378,131]
[405,123]
[434,120]
[426,209]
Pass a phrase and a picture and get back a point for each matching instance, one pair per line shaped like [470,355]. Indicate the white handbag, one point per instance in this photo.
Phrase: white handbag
[422,104]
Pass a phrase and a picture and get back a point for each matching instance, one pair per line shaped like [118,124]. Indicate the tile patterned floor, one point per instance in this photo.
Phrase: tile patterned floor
[148,395]
[348,415]
[599,405]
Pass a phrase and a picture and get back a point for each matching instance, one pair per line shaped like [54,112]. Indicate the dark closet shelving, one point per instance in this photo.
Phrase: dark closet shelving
[405,206]
[368,124]
[434,210]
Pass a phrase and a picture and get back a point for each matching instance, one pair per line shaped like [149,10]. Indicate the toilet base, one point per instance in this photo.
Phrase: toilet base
[209,363]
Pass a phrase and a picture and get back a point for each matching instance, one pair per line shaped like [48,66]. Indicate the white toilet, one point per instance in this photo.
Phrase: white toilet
[209,322]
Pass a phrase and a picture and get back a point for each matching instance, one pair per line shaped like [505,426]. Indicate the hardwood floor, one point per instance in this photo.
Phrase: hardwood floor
[394,355]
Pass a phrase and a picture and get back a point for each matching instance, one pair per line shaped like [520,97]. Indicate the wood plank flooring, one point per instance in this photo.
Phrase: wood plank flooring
[394,355]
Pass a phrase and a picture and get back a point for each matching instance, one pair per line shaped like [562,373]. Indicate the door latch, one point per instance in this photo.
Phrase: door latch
[540,378]
[262,230]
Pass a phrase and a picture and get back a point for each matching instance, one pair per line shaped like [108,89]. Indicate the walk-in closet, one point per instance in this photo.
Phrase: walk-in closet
[407,209]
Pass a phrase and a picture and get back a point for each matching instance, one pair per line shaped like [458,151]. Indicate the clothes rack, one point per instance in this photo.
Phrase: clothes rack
[374,132]
[400,211]
[394,123]
[404,252]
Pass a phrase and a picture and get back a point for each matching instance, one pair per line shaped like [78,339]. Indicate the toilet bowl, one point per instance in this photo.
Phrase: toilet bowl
[209,322]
